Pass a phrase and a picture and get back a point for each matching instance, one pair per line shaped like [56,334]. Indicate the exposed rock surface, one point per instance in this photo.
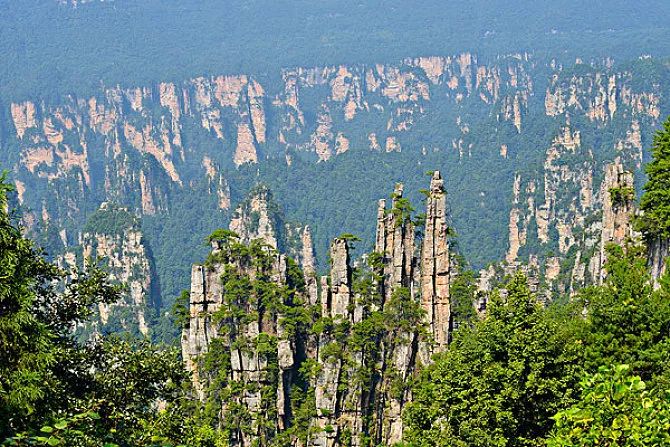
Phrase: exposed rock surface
[351,404]
[114,239]
[254,219]
[259,218]
[435,266]
[618,208]
[246,149]
[138,145]
[659,250]
[250,336]
[217,183]
[563,211]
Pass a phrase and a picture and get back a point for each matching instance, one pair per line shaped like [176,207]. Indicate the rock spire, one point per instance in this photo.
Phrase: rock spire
[371,327]
[435,266]
[618,209]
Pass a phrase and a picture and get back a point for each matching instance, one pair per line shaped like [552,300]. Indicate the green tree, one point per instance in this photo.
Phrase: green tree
[615,409]
[627,322]
[654,221]
[180,309]
[223,236]
[105,391]
[500,381]
[32,318]
[463,292]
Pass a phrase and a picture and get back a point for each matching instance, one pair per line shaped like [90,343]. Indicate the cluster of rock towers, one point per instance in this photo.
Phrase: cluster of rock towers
[358,391]
[348,410]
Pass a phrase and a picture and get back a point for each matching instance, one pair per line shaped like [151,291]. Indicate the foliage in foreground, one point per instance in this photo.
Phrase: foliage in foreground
[54,390]
[654,221]
[615,409]
[503,381]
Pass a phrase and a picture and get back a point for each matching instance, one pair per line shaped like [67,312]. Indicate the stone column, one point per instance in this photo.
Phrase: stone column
[435,267]
[616,220]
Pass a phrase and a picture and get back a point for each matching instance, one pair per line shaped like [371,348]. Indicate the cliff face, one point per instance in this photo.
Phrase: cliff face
[139,133]
[560,210]
[435,267]
[255,219]
[659,250]
[519,137]
[259,217]
[618,208]
[114,239]
[342,353]
[595,218]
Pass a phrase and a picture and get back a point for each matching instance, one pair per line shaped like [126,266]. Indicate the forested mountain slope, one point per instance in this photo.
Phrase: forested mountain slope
[53,47]
[327,104]
[522,142]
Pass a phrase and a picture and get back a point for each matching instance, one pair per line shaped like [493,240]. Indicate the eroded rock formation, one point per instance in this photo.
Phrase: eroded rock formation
[372,327]
[618,209]
[435,266]
[254,219]
[658,252]
[114,238]
[235,307]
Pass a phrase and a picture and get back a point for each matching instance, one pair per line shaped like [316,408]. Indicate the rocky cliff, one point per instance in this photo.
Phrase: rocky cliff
[618,193]
[147,138]
[259,217]
[659,250]
[330,368]
[524,142]
[582,256]
[113,239]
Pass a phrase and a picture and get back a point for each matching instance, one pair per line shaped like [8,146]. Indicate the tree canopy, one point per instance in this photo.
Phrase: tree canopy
[615,409]
[54,390]
[654,222]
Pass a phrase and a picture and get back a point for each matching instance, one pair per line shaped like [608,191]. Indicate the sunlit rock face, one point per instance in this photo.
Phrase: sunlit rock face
[350,405]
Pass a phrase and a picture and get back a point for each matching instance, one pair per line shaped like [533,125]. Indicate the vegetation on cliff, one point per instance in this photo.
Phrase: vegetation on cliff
[275,365]
[500,381]
[110,220]
[440,111]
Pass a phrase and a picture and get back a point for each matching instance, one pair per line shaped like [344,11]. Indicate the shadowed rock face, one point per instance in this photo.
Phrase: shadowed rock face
[658,252]
[258,217]
[356,383]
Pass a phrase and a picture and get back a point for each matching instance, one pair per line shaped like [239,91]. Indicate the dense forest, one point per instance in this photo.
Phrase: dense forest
[591,369]
[51,48]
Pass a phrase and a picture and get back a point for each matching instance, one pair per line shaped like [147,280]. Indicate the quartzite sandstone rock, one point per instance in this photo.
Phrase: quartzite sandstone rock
[345,406]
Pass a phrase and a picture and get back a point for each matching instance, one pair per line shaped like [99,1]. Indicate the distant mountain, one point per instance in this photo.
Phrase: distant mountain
[522,143]
[51,50]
